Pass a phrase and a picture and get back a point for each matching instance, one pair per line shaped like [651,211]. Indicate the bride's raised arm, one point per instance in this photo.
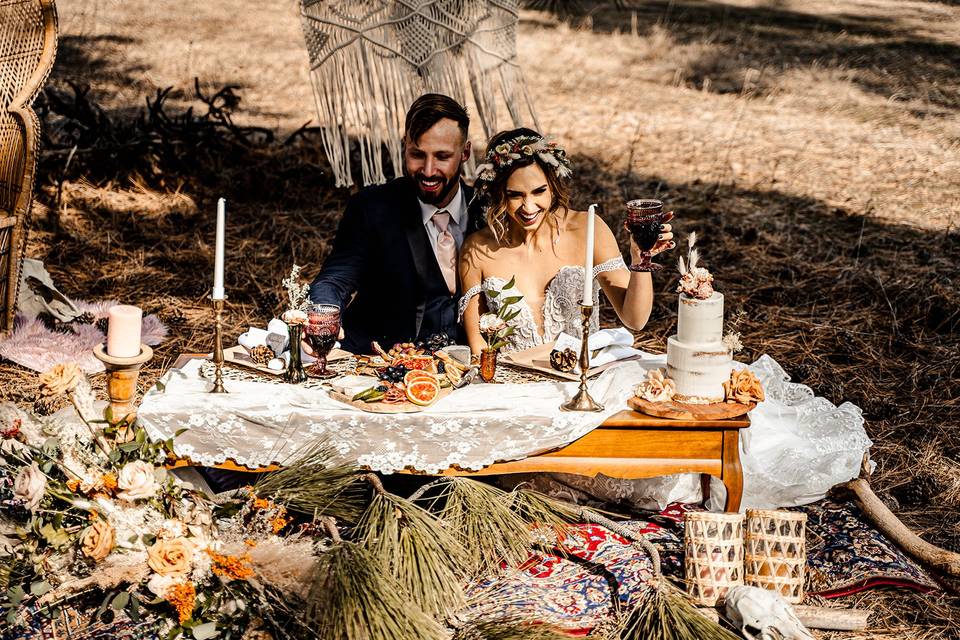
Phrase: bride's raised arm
[472,302]
[630,292]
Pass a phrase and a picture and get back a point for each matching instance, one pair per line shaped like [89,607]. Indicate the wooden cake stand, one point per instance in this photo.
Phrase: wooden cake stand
[686,411]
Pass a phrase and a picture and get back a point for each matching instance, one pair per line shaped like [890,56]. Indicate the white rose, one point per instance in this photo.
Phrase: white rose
[294,316]
[136,481]
[159,585]
[30,486]
[490,322]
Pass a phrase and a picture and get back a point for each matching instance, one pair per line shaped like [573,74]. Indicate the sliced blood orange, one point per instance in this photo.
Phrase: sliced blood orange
[423,391]
[417,374]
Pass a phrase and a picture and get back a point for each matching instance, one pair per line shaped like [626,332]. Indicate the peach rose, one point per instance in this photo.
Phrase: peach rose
[168,557]
[61,378]
[743,387]
[657,387]
[137,481]
[97,541]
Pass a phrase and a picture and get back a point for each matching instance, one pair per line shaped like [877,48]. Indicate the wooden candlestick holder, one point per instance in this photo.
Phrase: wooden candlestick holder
[122,374]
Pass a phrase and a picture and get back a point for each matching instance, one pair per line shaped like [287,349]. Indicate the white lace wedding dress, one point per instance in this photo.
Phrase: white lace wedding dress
[797,448]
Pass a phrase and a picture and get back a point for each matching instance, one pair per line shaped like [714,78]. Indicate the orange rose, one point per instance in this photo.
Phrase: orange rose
[97,541]
[743,387]
[168,557]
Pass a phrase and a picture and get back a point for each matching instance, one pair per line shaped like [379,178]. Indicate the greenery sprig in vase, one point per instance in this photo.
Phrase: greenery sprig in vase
[495,329]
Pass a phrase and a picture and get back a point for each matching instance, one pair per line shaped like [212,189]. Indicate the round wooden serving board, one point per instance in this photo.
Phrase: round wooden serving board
[380,407]
[685,411]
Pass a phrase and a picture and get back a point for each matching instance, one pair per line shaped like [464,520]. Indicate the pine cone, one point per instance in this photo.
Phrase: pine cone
[102,324]
[564,360]
[262,354]
[45,405]
[84,318]
[919,491]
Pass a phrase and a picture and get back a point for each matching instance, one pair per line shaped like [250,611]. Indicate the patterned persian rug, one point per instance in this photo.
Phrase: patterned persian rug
[578,586]
[34,345]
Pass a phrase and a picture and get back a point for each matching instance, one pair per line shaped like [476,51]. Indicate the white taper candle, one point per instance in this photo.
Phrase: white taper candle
[218,292]
[588,260]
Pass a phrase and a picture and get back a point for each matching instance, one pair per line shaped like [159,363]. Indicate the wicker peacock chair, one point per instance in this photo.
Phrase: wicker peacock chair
[28,43]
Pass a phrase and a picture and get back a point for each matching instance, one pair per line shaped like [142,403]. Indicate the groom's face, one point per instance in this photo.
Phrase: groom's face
[434,160]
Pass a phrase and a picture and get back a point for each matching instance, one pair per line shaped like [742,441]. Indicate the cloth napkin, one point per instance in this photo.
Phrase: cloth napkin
[606,345]
[277,338]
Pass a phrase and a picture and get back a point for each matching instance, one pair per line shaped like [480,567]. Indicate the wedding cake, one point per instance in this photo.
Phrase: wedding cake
[699,360]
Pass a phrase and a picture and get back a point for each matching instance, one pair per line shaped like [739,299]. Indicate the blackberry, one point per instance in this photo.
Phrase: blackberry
[437,341]
[919,491]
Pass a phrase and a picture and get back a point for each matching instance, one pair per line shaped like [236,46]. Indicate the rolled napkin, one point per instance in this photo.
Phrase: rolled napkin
[606,345]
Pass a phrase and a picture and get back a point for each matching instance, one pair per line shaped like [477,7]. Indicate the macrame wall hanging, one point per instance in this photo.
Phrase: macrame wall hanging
[370,59]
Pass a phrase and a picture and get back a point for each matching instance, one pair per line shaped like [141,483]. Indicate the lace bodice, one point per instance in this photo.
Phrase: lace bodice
[561,305]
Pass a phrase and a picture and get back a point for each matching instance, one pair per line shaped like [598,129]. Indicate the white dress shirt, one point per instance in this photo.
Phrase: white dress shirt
[458,219]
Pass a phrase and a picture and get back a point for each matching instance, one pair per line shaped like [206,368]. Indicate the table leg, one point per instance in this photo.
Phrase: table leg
[732,471]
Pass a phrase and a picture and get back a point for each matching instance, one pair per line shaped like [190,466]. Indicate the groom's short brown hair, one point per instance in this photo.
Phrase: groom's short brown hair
[431,108]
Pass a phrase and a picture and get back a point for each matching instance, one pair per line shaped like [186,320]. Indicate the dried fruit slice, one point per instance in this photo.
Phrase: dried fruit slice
[416,374]
[423,392]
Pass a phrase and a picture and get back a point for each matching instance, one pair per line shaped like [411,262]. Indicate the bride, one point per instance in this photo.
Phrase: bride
[798,446]
[533,238]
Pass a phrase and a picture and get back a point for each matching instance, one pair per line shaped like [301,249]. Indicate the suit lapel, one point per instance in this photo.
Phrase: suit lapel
[420,249]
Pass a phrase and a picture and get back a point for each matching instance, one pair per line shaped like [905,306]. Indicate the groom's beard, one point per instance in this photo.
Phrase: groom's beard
[437,196]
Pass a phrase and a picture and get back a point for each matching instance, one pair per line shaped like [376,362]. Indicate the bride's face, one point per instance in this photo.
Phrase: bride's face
[528,196]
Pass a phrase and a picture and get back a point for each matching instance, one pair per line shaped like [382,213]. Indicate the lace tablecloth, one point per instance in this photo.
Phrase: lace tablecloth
[259,423]
[798,446]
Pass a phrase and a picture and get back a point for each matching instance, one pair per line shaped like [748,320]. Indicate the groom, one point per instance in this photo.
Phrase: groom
[393,265]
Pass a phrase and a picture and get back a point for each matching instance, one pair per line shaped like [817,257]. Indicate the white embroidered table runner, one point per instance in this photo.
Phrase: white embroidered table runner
[259,423]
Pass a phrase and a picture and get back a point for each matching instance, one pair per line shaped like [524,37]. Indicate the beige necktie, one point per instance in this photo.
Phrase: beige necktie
[446,250]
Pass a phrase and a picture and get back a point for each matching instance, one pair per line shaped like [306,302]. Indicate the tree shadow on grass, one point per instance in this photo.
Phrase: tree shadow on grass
[880,55]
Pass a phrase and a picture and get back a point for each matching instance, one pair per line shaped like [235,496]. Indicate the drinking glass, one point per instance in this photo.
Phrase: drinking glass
[322,329]
[644,218]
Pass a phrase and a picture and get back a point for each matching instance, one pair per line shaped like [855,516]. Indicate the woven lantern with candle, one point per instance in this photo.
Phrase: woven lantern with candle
[713,555]
[776,552]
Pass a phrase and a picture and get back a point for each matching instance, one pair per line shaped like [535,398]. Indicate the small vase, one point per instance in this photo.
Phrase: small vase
[295,373]
[488,364]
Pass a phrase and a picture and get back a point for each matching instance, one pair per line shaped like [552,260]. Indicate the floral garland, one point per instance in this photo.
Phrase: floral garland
[505,154]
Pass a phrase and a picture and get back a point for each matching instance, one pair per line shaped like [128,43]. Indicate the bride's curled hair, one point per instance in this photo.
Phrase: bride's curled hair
[508,151]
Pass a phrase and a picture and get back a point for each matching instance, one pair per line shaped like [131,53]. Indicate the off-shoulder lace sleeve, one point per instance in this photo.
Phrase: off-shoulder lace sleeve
[469,293]
[610,265]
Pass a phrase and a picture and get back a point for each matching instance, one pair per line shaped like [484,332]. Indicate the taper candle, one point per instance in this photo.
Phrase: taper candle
[218,292]
[588,260]
[123,331]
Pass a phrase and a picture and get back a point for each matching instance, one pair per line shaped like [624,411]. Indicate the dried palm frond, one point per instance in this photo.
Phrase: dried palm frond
[666,613]
[416,548]
[353,598]
[309,483]
[508,629]
[480,517]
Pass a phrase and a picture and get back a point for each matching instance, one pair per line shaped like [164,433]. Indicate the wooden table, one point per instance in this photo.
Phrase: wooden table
[631,445]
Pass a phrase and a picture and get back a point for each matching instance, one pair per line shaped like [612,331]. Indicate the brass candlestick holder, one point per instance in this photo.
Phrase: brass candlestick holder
[122,374]
[582,401]
[218,346]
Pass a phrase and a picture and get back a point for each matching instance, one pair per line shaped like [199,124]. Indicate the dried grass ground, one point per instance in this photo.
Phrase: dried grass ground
[814,146]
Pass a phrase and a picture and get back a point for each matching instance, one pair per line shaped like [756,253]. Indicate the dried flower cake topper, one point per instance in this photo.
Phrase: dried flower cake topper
[695,281]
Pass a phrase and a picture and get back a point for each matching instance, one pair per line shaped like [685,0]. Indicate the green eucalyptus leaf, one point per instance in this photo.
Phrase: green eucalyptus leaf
[493,294]
[180,431]
[120,601]
[512,300]
[16,594]
[40,587]
[509,285]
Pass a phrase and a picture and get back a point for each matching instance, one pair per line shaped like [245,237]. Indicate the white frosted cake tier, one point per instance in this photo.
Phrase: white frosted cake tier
[699,371]
[700,322]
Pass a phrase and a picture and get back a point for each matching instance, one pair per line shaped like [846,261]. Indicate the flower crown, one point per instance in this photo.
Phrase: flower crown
[525,146]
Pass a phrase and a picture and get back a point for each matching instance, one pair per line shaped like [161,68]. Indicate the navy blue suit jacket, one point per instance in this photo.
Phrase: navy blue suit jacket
[382,257]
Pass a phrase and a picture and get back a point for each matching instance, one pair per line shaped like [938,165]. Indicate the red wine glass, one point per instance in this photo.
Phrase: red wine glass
[321,331]
[644,218]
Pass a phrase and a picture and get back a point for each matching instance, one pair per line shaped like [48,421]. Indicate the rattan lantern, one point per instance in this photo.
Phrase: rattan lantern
[776,552]
[28,48]
[713,554]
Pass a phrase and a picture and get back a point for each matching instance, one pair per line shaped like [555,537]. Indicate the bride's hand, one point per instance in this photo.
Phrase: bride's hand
[664,240]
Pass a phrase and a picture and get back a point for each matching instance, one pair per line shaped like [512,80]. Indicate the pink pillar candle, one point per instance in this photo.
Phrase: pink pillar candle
[123,331]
